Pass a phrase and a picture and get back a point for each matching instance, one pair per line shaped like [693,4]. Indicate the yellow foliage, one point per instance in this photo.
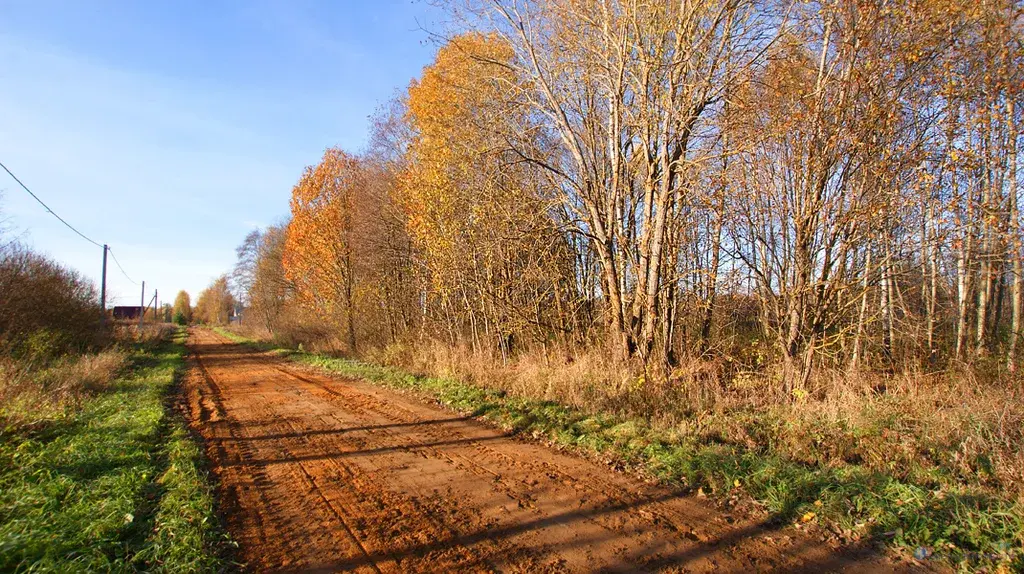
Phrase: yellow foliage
[318,247]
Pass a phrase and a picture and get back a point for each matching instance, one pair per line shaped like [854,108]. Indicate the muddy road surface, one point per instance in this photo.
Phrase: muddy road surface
[322,474]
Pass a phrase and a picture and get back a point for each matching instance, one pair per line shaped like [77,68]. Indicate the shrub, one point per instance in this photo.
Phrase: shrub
[46,309]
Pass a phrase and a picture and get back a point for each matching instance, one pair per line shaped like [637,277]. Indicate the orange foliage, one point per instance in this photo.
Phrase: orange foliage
[318,248]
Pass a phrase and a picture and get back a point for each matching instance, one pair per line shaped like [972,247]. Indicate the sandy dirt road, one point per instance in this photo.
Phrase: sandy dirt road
[323,474]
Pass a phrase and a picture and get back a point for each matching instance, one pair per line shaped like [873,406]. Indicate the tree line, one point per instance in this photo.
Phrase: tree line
[788,186]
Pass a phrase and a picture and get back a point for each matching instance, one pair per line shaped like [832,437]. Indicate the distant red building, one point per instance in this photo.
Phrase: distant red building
[127,312]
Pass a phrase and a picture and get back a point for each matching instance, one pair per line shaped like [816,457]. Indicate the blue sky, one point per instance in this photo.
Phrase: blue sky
[169,129]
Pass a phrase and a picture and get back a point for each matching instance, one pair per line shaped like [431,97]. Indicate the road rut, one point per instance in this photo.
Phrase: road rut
[322,474]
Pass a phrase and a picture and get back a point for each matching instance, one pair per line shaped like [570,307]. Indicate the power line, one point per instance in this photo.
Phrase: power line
[47,207]
[69,226]
[111,252]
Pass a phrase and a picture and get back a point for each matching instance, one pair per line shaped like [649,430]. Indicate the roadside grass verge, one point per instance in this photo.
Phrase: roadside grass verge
[114,485]
[937,517]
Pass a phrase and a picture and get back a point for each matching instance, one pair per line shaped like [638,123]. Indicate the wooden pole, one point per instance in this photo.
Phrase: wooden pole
[103,285]
[142,304]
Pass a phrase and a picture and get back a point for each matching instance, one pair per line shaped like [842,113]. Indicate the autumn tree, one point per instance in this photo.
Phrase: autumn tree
[268,290]
[320,241]
[182,313]
[481,219]
[625,93]
[825,210]
[390,263]
[984,79]
[215,304]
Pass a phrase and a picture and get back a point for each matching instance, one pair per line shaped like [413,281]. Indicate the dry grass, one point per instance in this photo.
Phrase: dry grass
[29,395]
[948,428]
[128,332]
[38,387]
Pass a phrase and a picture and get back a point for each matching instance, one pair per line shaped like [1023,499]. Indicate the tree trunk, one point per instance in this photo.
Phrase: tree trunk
[350,311]
[612,290]
[712,279]
[933,284]
[1014,244]
[858,336]
[964,272]
[885,304]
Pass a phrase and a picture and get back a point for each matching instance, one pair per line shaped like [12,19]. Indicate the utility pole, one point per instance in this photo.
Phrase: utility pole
[142,304]
[103,285]
[156,304]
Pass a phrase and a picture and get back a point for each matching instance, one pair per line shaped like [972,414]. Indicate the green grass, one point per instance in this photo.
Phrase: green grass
[963,526]
[116,485]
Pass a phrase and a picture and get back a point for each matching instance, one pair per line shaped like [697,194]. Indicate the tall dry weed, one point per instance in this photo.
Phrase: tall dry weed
[29,394]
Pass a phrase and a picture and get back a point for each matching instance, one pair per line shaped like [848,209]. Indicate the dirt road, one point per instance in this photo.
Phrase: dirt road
[323,474]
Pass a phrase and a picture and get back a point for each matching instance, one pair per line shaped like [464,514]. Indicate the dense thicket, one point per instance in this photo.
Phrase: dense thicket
[46,309]
[787,187]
